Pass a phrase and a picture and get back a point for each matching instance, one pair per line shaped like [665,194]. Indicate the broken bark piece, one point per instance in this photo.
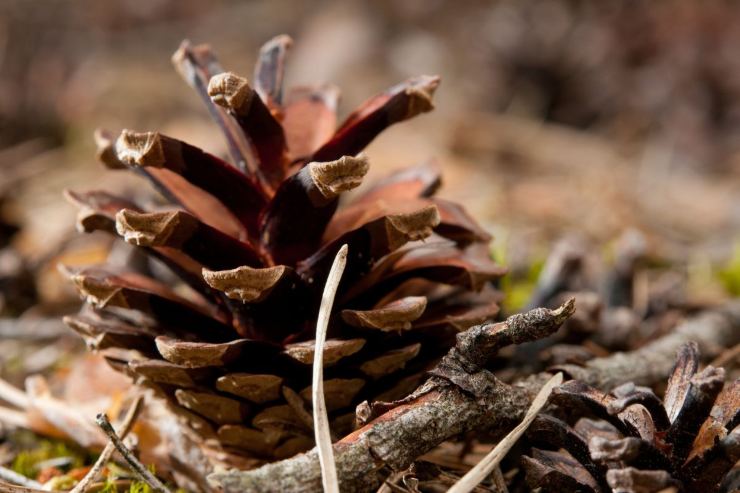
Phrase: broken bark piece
[686,366]
[702,392]
[557,472]
[723,418]
[547,432]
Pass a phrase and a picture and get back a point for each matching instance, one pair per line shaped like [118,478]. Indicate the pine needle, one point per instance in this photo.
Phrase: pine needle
[320,417]
[486,466]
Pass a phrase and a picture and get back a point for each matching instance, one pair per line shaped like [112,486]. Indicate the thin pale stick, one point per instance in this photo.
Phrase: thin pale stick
[13,395]
[13,477]
[123,429]
[320,417]
[139,468]
[11,417]
[486,466]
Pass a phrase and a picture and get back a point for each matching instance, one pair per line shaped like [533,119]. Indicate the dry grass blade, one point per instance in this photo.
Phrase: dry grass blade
[320,418]
[123,430]
[492,460]
[139,468]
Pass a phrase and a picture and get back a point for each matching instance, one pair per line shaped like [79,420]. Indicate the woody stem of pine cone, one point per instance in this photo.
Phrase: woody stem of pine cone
[462,396]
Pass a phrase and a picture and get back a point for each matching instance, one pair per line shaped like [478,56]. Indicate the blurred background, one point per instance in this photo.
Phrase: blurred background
[554,118]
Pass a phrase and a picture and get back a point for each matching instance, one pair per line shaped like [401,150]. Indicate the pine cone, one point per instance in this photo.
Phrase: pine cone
[689,441]
[229,342]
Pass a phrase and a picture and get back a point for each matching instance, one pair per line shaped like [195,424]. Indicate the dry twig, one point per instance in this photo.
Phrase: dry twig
[136,466]
[462,396]
[125,427]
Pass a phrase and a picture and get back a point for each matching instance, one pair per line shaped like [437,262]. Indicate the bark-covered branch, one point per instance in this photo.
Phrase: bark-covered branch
[461,396]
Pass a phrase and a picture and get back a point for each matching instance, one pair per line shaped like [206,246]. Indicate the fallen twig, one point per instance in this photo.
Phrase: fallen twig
[320,417]
[125,427]
[461,396]
[712,331]
[136,466]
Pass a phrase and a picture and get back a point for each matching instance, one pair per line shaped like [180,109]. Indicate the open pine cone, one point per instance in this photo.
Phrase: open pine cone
[687,442]
[230,342]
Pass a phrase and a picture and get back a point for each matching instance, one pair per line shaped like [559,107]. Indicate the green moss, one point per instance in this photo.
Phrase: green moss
[26,461]
[518,289]
[729,276]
